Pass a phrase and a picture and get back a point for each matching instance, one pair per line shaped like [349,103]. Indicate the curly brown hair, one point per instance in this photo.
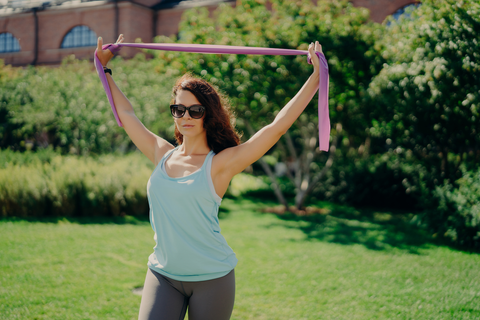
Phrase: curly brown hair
[219,120]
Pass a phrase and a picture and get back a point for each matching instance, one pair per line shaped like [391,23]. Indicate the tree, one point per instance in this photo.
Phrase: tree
[258,86]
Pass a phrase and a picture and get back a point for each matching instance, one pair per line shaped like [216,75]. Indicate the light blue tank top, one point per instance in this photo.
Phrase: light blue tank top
[184,217]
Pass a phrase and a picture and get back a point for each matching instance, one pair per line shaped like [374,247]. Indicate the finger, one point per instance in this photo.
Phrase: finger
[318,47]
[99,44]
[120,38]
[311,53]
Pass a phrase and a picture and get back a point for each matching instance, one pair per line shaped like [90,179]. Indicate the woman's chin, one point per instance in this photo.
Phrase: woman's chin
[190,132]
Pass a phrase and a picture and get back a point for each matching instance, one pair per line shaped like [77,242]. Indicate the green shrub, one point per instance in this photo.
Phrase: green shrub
[245,184]
[9,157]
[23,191]
[426,99]
[457,216]
[66,107]
[384,180]
[74,186]
[53,185]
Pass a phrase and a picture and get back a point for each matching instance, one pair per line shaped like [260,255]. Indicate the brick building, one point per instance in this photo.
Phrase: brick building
[45,31]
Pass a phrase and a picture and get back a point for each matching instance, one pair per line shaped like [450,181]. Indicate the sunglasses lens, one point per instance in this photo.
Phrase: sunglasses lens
[196,112]
[177,111]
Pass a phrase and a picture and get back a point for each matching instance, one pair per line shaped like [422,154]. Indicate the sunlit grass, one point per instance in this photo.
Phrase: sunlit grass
[344,265]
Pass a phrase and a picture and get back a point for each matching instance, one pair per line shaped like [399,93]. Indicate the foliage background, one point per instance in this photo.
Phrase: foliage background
[65,109]
[404,103]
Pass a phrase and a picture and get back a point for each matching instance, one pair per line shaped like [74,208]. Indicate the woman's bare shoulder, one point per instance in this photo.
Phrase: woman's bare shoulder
[161,148]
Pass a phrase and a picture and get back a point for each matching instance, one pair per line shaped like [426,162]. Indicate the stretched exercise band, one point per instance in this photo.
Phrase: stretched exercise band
[323,116]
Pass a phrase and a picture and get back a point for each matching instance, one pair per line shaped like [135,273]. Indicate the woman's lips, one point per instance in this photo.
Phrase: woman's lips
[188,126]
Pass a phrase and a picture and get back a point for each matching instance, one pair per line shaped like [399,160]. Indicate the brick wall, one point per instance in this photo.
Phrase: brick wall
[134,22]
[169,19]
[55,24]
[148,3]
[21,26]
[380,9]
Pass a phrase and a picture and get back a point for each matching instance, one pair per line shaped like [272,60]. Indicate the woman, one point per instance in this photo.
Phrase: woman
[192,265]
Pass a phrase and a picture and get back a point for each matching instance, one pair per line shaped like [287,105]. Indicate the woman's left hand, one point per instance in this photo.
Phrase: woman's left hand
[105,55]
[311,50]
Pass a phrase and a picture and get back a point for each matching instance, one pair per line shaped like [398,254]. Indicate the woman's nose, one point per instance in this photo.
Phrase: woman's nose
[187,115]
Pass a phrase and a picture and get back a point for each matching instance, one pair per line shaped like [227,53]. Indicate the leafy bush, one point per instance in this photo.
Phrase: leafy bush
[66,108]
[9,157]
[243,184]
[426,99]
[457,216]
[66,186]
[75,186]
[23,191]
[384,180]
[425,103]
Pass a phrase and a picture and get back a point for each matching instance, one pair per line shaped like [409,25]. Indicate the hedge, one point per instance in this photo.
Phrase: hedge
[47,184]
[457,213]
[74,186]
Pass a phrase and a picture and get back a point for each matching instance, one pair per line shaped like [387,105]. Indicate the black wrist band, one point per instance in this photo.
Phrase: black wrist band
[107,70]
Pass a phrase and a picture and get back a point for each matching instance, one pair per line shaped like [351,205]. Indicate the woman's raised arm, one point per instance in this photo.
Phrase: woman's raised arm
[147,142]
[234,160]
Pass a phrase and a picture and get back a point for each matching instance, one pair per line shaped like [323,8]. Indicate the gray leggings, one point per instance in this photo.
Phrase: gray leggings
[167,299]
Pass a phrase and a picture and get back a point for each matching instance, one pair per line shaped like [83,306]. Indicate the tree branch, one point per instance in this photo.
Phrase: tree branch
[268,171]
[328,164]
[300,198]
[284,158]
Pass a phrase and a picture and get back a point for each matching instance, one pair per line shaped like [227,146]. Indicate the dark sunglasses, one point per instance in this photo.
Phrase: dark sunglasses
[195,111]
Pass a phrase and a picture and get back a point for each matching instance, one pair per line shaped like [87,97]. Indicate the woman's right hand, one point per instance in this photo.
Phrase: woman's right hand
[105,55]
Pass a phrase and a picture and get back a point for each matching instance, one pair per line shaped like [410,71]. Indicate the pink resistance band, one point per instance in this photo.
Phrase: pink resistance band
[323,116]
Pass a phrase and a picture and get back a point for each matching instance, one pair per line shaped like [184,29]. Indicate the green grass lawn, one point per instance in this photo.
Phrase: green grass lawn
[342,265]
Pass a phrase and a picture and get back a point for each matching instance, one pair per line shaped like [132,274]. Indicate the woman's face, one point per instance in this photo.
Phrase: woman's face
[187,125]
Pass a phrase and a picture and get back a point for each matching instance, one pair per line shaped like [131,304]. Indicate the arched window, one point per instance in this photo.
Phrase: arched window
[405,11]
[79,36]
[8,43]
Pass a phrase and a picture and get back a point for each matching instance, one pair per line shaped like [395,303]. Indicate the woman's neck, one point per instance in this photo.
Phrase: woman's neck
[194,145]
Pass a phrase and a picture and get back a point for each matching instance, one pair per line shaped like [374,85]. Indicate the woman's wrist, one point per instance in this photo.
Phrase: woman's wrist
[107,70]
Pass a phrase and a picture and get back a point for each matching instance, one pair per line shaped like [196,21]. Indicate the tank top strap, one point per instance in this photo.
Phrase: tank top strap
[208,160]
[166,155]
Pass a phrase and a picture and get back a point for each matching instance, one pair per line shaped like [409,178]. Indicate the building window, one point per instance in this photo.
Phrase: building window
[8,43]
[79,36]
[405,11]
